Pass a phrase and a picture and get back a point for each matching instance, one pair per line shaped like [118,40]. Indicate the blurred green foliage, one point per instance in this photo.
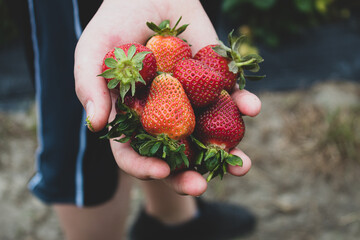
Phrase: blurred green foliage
[273,21]
[344,132]
[8,28]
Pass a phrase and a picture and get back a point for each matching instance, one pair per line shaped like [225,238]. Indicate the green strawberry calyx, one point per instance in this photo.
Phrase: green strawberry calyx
[213,159]
[125,70]
[163,147]
[164,29]
[239,63]
[125,124]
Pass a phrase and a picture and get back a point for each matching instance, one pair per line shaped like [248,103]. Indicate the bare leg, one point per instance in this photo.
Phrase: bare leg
[106,221]
[166,205]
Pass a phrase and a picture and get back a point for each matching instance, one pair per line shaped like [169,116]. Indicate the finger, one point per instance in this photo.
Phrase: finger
[138,166]
[248,103]
[92,91]
[103,33]
[187,183]
[240,170]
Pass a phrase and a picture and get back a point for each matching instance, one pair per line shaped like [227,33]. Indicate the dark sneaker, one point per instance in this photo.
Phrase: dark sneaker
[216,221]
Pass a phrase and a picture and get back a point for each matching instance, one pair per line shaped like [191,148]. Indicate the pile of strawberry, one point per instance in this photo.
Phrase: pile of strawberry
[176,106]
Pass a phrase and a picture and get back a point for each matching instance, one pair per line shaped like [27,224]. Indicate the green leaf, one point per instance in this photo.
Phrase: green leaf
[124,88]
[213,173]
[223,155]
[181,148]
[178,159]
[165,150]
[238,42]
[139,57]
[120,54]
[109,73]
[177,23]
[258,58]
[211,164]
[185,159]
[230,37]
[234,160]
[132,88]
[113,83]
[197,142]
[224,170]
[144,136]
[155,148]
[242,81]
[140,79]
[199,158]
[131,51]
[220,50]
[252,67]
[232,67]
[153,26]
[122,106]
[181,29]
[111,63]
[164,24]
[123,140]
[210,153]
[145,148]
[254,78]
[119,118]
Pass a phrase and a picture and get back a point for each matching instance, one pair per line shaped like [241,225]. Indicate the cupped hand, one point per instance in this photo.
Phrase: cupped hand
[118,22]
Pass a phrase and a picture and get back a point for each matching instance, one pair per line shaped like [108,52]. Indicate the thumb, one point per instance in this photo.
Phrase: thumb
[91,90]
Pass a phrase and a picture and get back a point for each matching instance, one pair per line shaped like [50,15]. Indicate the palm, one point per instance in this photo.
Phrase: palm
[111,27]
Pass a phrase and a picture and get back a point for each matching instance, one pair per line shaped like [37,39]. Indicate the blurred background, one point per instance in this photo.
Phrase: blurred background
[305,144]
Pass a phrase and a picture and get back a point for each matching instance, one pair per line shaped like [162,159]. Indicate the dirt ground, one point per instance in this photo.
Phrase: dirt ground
[305,148]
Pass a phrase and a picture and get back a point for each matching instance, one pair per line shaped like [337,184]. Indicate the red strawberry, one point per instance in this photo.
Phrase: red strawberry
[218,63]
[221,124]
[167,47]
[168,110]
[127,119]
[202,84]
[229,62]
[168,117]
[131,65]
[219,128]
[137,102]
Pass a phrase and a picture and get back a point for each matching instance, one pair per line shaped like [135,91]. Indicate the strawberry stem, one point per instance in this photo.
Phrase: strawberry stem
[124,70]
[125,124]
[241,64]
[237,62]
[164,29]
[213,159]
[163,147]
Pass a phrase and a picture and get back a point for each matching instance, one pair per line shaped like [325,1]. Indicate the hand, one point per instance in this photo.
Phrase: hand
[118,22]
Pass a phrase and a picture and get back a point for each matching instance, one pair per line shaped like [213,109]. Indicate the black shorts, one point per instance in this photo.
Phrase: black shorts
[73,165]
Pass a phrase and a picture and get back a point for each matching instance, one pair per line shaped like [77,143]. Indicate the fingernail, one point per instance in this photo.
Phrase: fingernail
[89,108]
